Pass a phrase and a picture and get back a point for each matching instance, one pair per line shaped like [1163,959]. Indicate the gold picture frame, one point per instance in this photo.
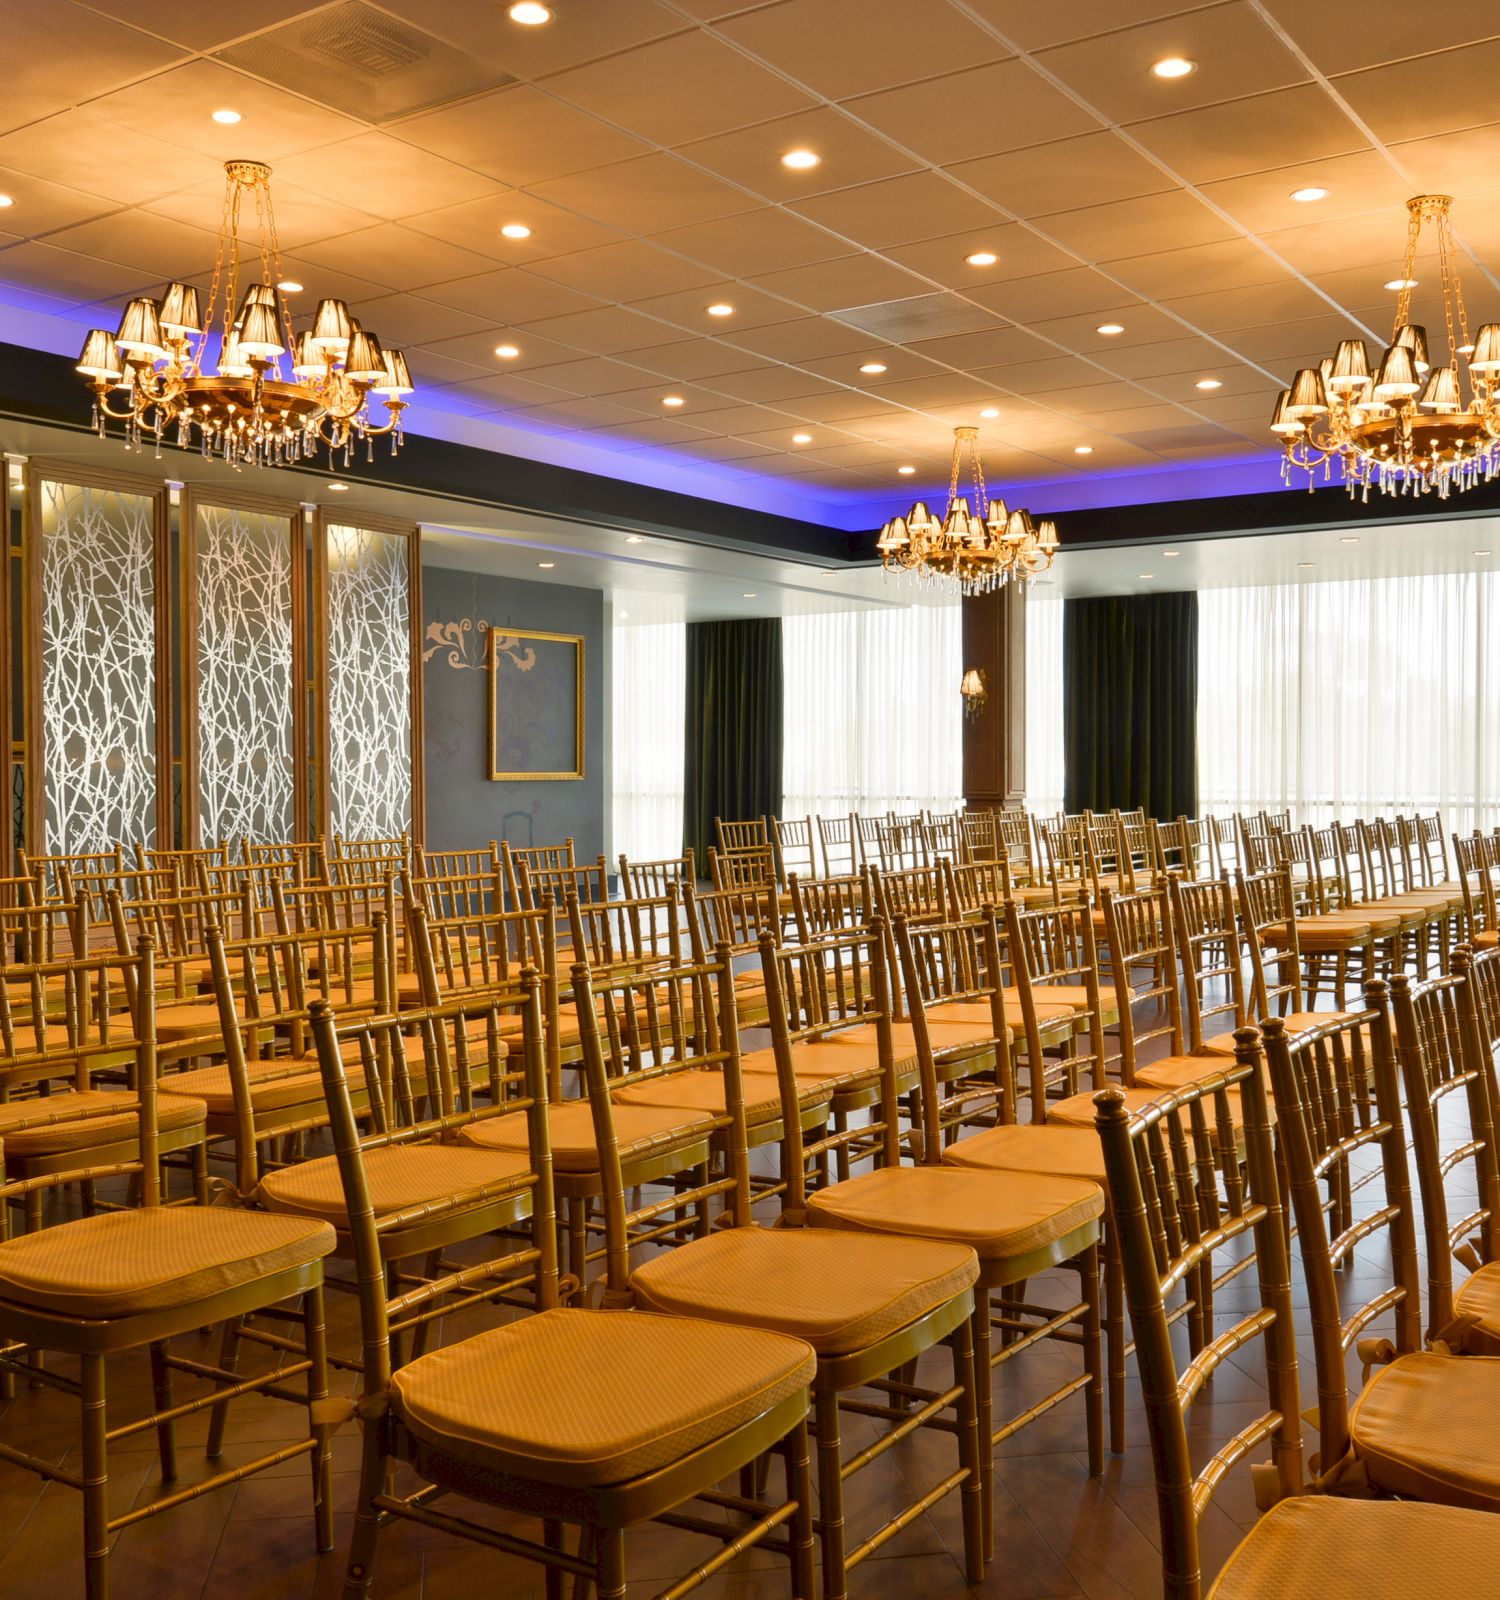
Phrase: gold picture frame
[512,657]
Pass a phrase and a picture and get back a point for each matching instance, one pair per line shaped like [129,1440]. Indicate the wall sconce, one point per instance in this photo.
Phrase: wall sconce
[974,691]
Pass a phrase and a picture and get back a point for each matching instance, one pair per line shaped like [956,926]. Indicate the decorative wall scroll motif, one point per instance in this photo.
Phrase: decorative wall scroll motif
[461,645]
[246,767]
[536,704]
[369,682]
[98,666]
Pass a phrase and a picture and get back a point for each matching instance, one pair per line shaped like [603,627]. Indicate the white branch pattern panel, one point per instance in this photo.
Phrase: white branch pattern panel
[246,772]
[98,624]
[369,682]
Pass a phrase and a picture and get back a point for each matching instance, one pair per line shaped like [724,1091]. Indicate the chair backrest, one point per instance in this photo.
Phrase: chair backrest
[1268,918]
[941,837]
[970,886]
[627,935]
[1224,836]
[1143,971]
[736,917]
[1182,1216]
[1340,1133]
[830,905]
[751,835]
[303,861]
[1439,1046]
[1015,831]
[588,882]
[657,877]
[451,863]
[537,856]
[1432,842]
[1211,950]
[750,867]
[1050,946]
[867,832]
[1480,914]
[392,1307]
[917,893]
[1483,969]
[979,836]
[902,842]
[840,853]
[462,892]
[1184,846]
[796,842]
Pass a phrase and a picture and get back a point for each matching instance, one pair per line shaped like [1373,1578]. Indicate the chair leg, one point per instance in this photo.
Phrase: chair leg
[799,1488]
[95,1480]
[970,1457]
[611,1564]
[161,1395]
[316,1337]
[229,1360]
[1093,1358]
[1114,1329]
[359,1573]
[830,1493]
[985,1389]
[552,1534]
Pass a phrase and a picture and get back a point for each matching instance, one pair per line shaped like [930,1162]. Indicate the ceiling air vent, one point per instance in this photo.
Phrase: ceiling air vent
[358,60]
[922,316]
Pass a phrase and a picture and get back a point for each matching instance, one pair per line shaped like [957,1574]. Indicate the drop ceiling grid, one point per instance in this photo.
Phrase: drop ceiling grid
[587,308]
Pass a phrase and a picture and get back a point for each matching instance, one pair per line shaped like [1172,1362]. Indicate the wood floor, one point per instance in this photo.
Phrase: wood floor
[1059,1534]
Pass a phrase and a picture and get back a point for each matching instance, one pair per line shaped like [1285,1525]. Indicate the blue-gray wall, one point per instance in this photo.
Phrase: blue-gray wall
[464,808]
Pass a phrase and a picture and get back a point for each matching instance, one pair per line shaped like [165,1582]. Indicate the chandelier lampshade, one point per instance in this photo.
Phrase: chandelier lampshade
[1406,426]
[977,544]
[153,373]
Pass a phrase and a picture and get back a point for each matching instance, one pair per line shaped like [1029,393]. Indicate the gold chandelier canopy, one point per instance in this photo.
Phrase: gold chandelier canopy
[1402,425]
[978,543]
[151,373]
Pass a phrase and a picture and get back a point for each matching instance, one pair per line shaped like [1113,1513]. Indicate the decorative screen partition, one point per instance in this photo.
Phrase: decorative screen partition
[242,585]
[369,581]
[96,732]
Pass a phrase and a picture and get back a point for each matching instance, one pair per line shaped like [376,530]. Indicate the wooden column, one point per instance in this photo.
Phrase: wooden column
[994,629]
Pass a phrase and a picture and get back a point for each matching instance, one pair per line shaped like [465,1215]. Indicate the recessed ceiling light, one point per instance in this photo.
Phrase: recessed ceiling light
[516,230]
[990,412]
[1312,192]
[1401,283]
[872,367]
[1170,553]
[289,286]
[1083,449]
[338,488]
[1350,538]
[226,116]
[1209,383]
[1174,67]
[1305,563]
[982,258]
[507,352]
[673,400]
[530,13]
[1148,575]
[1110,329]
[906,472]
[546,566]
[635,538]
[5,200]
[749,594]
[1483,552]
[801,438]
[721,308]
[801,160]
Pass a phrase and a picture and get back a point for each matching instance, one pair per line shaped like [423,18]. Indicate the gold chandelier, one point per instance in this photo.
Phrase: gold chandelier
[1405,427]
[150,374]
[982,548]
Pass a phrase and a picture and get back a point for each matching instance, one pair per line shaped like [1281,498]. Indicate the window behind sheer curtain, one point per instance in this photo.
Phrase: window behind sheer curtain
[873,719]
[648,694]
[1352,699]
[1044,706]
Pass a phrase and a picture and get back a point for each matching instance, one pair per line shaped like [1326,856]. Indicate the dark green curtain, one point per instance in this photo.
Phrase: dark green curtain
[733,736]
[1130,703]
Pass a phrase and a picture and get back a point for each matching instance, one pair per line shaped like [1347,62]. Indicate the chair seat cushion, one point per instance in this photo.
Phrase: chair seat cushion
[999,1215]
[641,1131]
[120,1263]
[399,1176]
[272,1087]
[1480,1297]
[587,1398]
[191,1020]
[85,1119]
[1050,1148]
[1322,933]
[1078,1110]
[703,1092]
[839,1291]
[977,1014]
[1424,1427]
[1486,939]
[1295,1022]
[1316,1547]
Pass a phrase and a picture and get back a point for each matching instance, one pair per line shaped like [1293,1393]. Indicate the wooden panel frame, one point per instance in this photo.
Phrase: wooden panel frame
[325,517]
[580,691]
[267,505]
[48,469]
[994,641]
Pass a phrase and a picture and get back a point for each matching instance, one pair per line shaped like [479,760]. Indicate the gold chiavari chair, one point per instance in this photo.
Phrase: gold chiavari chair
[829,905]
[736,917]
[903,843]
[1389,869]
[796,843]
[481,862]
[184,861]
[979,836]
[1480,917]
[48,871]
[356,904]
[494,1417]
[652,878]
[970,888]
[1420,1427]
[1211,952]
[1186,847]
[1361,892]
[297,861]
[1441,1054]
[539,856]
[734,836]
[868,1304]
[942,837]
[363,858]
[132,1278]
[459,894]
[1017,843]
[587,882]
[867,833]
[917,893]
[840,849]
[627,935]
[1224,837]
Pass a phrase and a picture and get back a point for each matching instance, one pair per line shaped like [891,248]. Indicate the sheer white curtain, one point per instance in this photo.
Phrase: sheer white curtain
[648,690]
[1044,706]
[873,717]
[1352,698]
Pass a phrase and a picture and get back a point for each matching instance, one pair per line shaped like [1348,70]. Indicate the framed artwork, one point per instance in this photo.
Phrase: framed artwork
[536,704]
